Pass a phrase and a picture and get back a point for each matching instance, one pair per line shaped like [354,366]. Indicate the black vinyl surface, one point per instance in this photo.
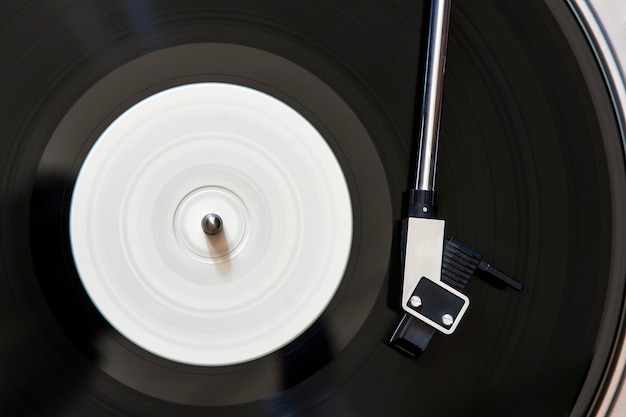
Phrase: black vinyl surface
[531,173]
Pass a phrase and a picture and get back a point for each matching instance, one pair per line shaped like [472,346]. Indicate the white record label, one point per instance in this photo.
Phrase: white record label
[139,201]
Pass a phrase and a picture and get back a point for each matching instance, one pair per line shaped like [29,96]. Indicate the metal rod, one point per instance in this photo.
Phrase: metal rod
[433,94]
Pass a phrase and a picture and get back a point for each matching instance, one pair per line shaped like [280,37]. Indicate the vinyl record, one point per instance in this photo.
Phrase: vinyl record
[531,173]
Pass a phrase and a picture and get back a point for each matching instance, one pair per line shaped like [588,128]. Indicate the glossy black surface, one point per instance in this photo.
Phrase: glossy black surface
[531,173]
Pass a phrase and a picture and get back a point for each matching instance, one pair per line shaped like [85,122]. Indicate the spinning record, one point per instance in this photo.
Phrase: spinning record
[201,200]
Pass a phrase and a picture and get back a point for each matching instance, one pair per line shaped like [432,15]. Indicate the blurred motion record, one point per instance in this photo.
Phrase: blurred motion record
[200,208]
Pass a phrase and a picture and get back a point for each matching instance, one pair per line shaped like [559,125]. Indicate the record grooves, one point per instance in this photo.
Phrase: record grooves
[531,171]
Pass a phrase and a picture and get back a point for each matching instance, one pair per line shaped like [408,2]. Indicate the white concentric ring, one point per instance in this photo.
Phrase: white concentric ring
[137,241]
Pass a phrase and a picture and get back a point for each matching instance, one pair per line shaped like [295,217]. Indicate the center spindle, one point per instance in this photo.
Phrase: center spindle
[212,224]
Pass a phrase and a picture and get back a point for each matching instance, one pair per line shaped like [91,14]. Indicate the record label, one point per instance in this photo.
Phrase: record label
[136,224]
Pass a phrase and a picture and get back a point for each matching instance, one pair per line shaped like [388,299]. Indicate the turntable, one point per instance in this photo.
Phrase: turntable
[281,208]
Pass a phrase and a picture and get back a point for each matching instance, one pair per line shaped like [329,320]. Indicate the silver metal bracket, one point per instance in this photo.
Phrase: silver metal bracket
[424,295]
